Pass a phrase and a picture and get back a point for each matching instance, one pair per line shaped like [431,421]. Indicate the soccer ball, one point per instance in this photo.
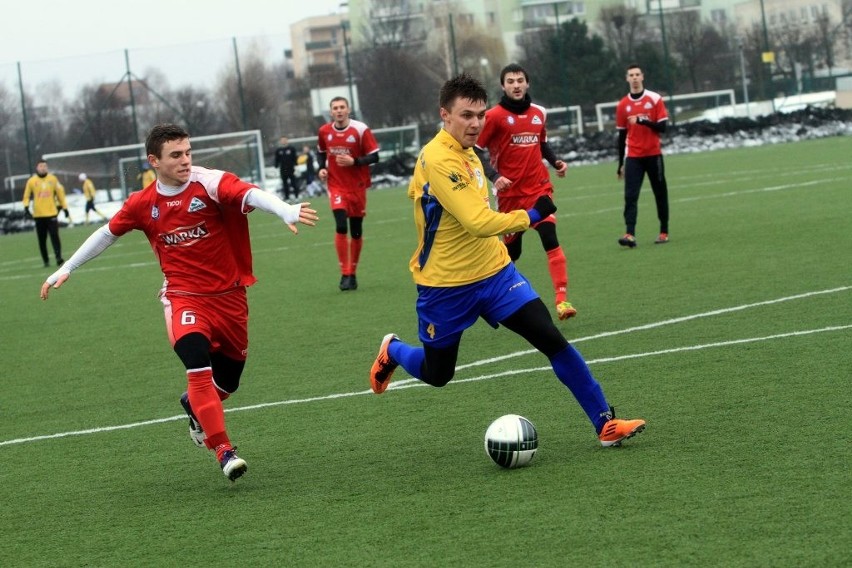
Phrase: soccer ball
[511,441]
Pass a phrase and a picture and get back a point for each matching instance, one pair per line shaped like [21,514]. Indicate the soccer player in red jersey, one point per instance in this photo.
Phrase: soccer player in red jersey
[640,118]
[345,150]
[195,220]
[515,136]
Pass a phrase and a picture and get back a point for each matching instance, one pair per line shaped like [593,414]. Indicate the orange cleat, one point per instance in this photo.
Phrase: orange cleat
[383,367]
[617,430]
[662,239]
[565,310]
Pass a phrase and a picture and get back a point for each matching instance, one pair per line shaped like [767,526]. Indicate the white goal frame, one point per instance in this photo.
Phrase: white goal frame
[256,143]
[729,93]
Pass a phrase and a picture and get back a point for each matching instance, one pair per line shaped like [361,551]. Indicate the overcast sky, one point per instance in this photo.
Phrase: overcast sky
[36,30]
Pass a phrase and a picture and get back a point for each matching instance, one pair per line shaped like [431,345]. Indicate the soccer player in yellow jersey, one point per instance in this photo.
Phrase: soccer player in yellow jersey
[89,194]
[48,197]
[463,271]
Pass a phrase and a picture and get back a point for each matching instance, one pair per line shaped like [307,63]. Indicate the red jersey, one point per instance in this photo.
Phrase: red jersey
[356,140]
[641,140]
[198,232]
[514,146]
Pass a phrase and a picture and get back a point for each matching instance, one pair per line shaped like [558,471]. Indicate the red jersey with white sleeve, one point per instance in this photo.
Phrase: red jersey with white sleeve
[355,140]
[514,143]
[198,231]
[641,140]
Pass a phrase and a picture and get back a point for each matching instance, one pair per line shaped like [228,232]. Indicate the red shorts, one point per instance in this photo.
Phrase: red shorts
[222,319]
[353,202]
[506,204]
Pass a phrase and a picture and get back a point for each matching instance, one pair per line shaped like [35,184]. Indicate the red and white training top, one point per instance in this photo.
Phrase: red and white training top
[355,140]
[514,143]
[198,231]
[641,140]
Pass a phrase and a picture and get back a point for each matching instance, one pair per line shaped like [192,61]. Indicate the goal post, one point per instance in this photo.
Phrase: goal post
[118,169]
[690,105]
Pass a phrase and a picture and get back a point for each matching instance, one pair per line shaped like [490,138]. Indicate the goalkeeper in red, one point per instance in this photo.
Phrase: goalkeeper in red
[515,136]
[195,221]
[463,272]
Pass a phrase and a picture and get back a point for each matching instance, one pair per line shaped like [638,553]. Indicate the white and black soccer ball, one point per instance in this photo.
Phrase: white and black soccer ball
[511,441]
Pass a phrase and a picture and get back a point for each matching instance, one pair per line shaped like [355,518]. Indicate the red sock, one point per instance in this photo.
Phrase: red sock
[354,253]
[558,266]
[207,407]
[341,244]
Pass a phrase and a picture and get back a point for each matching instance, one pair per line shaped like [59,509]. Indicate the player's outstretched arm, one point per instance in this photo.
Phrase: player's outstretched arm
[290,214]
[92,247]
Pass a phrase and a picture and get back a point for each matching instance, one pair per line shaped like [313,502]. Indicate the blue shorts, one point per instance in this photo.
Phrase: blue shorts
[444,313]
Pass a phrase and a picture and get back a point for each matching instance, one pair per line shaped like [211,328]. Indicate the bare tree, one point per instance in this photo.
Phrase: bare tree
[622,29]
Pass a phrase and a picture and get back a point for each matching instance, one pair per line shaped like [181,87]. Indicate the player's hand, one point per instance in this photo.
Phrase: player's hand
[502,183]
[323,174]
[561,168]
[344,160]
[67,216]
[620,172]
[632,119]
[307,216]
[45,288]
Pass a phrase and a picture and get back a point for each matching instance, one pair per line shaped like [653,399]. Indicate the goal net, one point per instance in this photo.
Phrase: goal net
[117,171]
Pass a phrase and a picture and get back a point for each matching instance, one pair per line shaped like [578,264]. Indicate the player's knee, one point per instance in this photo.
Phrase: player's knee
[193,349]
[226,373]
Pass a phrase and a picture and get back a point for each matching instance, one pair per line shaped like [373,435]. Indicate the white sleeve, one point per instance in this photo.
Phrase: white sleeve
[97,243]
[264,201]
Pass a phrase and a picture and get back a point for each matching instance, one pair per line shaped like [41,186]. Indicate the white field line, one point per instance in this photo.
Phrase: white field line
[409,383]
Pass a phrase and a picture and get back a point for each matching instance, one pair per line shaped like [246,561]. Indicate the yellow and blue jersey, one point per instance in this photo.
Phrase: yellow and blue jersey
[457,229]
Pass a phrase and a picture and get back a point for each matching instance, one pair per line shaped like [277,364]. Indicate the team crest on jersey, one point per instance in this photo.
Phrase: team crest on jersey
[330,137]
[648,105]
[479,179]
[185,236]
[629,108]
[536,120]
[196,205]
[454,177]
[350,139]
[155,212]
[510,119]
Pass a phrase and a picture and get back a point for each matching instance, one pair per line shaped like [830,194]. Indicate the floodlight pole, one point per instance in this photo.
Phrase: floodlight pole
[344,25]
[743,74]
[666,61]
[768,65]
[130,92]
[24,114]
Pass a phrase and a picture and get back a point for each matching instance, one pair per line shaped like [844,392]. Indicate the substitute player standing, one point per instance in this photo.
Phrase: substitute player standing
[195,220]
[345,150]
[640,118]
[515,136]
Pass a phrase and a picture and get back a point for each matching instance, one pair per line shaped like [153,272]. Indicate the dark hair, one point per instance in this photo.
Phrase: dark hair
[513,68]
[161,134]
[42,161]
[463,86]
[335,99]
[634,66]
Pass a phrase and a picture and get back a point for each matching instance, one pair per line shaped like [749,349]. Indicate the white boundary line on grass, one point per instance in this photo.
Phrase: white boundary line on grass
[409,383]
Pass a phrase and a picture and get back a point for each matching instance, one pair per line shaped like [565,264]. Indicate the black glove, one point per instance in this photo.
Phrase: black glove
[27,213]
[545,206]
[66,213]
